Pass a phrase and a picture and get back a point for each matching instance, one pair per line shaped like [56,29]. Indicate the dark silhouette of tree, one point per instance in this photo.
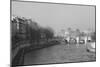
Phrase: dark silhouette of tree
[33,30]
[48,33]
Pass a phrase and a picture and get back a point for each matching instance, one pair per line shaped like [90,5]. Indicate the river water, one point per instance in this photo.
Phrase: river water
[60,53]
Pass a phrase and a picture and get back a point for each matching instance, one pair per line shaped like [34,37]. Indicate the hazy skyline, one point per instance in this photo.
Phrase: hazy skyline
[57,16]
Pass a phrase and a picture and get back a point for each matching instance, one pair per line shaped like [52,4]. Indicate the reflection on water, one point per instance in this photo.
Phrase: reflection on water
[59,54]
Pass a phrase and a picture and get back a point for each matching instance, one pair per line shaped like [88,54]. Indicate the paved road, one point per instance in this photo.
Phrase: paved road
[58,54]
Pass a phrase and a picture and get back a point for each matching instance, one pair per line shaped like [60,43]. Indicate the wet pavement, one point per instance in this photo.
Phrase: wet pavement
[60,53]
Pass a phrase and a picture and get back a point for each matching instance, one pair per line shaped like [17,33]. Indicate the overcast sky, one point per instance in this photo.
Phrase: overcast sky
[57,16]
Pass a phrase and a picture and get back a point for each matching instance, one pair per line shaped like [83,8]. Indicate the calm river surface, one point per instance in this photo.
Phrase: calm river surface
[59,54]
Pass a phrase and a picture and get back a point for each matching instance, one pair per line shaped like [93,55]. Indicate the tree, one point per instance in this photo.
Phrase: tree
[33,30]
[49,33]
